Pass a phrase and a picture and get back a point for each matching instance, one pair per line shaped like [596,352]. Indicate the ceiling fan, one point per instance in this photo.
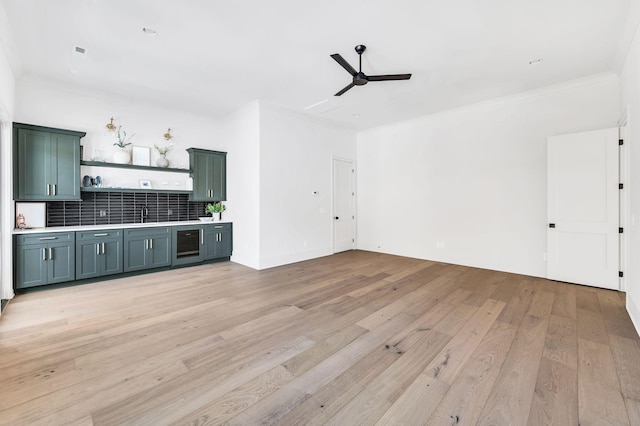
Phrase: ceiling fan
[360,78]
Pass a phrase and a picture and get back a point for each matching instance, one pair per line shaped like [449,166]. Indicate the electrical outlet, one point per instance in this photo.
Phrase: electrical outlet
[103,213]
[169,212]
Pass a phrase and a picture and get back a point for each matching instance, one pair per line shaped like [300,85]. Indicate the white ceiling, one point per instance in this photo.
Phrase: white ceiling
[212,57]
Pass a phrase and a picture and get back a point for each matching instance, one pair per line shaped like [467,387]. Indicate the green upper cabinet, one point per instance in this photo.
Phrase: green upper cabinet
[46,163]
[209,173]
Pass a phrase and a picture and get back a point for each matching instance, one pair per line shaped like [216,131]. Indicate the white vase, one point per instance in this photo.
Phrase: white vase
[162,161]
[121,156]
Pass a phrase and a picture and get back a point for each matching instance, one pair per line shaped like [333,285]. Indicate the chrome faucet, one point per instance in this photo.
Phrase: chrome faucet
[143,214]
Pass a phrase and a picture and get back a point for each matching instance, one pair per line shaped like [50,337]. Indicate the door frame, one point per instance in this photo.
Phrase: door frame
[354,227]
[7,206]
[613,155]
[623,197]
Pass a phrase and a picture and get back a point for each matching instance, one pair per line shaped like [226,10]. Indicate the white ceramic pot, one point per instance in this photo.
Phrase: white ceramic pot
[162,161]
[121,156]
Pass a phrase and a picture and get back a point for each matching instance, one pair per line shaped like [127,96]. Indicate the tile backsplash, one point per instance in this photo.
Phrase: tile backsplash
[102,208]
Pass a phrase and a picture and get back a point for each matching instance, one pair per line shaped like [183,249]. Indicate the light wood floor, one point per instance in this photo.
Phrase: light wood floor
[354,338]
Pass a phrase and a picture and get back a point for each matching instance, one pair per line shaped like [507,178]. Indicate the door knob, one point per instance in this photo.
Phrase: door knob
[552,225]
[336,218]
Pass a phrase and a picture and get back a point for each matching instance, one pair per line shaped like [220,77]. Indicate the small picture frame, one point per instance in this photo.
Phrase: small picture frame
[141,156]
[145,184]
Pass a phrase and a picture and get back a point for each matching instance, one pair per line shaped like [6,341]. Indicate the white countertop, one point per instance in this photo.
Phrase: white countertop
[113,226]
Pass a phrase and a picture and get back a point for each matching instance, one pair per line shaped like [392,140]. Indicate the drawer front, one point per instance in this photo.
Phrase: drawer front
[100,234]
[147,232]
[53,237]
[217,226]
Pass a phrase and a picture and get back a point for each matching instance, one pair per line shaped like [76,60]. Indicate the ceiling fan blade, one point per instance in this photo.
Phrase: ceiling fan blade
[345,89]
[339,59]
[388,77]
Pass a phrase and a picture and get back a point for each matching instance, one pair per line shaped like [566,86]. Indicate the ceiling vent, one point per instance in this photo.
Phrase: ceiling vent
[79,52]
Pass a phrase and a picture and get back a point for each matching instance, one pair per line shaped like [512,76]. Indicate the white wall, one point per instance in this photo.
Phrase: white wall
[7,93]
[243,183]
[473,179]
[47,103]
[630,103]
[296,160]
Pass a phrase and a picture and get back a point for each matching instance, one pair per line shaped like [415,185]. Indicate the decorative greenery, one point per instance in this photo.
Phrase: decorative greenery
[163,151]
[215,208]
[123,140]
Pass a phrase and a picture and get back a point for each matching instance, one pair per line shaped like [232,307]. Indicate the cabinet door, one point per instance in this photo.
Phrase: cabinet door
[111,257]
[160,252]
[31,266]
[201,181]
[209,175]
[65,167]
[33,164]
[60,262]
[218,176]
[210,242]
[225,243]
[135,253]
[87,259]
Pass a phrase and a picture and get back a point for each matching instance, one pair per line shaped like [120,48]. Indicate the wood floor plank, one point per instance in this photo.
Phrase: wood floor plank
[372,402]
[564,304]
[591,326]
[600,400]
[467,394]
[626,353]
[331,398]
[615,315]
[517,307]
[352,338]
[555,399]
[278,404]
[432,385]
[561,343]
[510,399]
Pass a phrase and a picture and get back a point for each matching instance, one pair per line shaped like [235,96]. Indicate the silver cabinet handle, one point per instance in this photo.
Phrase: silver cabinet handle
[150,244]
[44,253]
[218,226]
[102,248]
[97,248]
[48,189]
[146,244]
[202,236]
[50,253]
[48,238]
[101,235]
[55,189]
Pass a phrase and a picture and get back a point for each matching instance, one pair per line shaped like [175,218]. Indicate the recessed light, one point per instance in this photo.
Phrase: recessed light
[535,61]
[356,115]
[149,31]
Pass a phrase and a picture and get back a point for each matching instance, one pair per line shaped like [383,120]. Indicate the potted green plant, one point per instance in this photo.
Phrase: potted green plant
[121,156]
[216,208]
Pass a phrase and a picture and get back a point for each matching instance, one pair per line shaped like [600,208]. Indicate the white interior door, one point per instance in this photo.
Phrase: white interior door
[343,205]
[582,203]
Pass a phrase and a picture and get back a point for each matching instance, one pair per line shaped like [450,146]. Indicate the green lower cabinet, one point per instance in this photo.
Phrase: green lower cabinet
[218,241]
[98,253]
[147,248]
[44,259]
